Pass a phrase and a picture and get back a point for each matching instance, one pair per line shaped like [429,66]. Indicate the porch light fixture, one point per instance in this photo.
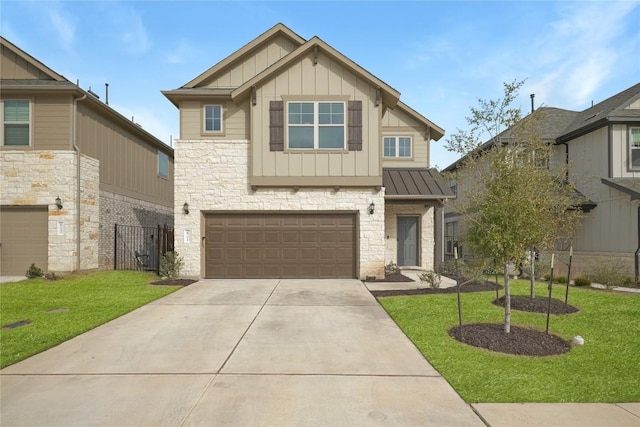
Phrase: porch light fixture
[185,208]
[58,202]
[372,208]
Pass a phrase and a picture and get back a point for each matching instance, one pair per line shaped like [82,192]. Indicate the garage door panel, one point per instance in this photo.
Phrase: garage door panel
[24,234]
[279,245]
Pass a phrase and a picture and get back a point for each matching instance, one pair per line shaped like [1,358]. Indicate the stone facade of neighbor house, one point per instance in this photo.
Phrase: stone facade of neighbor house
[280,160]
[59,142]
[602,146]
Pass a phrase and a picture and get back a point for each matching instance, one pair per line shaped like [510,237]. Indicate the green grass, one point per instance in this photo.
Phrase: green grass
[91,299]
[605,369]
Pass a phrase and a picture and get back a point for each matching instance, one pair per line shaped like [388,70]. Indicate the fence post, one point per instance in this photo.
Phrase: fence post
[115,247]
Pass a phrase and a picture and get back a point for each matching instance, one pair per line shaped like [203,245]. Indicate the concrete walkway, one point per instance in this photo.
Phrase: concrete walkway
[238,353]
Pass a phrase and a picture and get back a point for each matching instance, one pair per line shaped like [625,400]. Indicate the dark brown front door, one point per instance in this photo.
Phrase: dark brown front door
[280,245]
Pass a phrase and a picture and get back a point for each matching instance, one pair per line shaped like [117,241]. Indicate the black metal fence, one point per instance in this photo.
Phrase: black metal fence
[141,248]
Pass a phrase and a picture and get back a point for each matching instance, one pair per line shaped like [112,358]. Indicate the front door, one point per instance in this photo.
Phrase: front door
[408,240]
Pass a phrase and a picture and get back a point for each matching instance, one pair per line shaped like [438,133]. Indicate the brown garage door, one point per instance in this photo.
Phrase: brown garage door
[276,245]
[24,239]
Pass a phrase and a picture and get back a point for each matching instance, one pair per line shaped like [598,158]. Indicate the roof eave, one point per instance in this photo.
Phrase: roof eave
[390,96]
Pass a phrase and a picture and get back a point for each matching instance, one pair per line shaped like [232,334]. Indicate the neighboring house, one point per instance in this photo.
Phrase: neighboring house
[71,167]
[294,161]
[601,145]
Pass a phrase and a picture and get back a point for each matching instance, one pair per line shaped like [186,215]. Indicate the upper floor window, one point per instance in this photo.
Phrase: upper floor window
[213,118]
[316,125]
[634,148]
[163,164]
[16,121]
[397,146]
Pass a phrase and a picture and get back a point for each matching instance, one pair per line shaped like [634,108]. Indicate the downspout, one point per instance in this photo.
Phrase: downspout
[77,150]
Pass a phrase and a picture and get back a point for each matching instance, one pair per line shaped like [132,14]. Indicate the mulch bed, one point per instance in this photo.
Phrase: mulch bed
[467,287]
[520,341]
[173,282]
[537,305]
[393,277]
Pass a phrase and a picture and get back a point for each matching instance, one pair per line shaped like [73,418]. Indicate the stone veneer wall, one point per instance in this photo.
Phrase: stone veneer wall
[214,175]
[427,238]
[123,210]
[36,178]
[583,262]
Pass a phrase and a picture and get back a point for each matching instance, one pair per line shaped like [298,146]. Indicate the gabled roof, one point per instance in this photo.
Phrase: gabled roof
[553,121]
[31,60]
[274,32]
[611,109]
[630,186]
[390,96]
[436,131]
[414,184]
[59,84]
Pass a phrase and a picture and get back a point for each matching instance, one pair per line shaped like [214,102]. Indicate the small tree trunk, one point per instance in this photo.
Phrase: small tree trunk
[532,260]
[507,301]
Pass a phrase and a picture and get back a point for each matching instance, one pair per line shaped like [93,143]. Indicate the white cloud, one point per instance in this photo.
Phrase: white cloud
[181,52]
[64,28]
[577,53]
[127,26]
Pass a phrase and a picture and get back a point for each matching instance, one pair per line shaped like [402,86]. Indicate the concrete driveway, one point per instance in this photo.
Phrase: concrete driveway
[238,353]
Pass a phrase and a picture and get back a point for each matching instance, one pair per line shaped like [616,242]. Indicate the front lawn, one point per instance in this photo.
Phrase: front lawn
[605,369]
[77,304]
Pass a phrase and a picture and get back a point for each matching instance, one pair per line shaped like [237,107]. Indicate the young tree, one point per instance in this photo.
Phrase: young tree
[512,200]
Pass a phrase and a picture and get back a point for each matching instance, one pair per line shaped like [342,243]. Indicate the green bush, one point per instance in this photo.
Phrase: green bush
[582,281]
[34,272]
[432,278]
[609,274]
[561,280]
[170,265]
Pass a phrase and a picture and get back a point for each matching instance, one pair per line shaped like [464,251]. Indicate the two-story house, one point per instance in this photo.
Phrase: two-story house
[295,162]
[601,146]
[70,168]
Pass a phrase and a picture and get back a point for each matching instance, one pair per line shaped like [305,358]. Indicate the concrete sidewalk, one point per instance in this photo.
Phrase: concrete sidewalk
[238,353]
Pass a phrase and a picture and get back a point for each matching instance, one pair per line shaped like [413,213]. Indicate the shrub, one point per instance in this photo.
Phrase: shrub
[51,276]
[432,278]
[170,265]
[609,274]
[34,272]
[391,268]
[582,281]
[561,280]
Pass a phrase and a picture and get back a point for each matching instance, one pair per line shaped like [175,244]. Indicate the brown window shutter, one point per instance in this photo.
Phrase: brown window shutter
[276,126]
[354,138]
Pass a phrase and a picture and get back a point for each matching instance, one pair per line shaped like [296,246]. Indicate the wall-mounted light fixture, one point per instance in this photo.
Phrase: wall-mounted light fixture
[185,208]
[372,208]
[58,202]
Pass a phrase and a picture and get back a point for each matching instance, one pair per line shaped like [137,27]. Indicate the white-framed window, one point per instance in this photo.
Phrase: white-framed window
[163,164]
[316,125]
[634,148]
[213,118]
[16,119]
[397,146]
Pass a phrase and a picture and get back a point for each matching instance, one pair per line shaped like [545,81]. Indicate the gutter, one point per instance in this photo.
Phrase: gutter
[77,150]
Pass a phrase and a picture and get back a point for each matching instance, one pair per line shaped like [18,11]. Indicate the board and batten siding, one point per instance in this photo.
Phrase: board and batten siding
[52,122]
[589,160]
[263,56]
[128,165]
[14,67]
[398,123]
[235,120]
[620,152]
[326,80]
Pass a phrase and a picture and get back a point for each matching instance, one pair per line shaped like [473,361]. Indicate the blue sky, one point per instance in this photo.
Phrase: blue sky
[441,56]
